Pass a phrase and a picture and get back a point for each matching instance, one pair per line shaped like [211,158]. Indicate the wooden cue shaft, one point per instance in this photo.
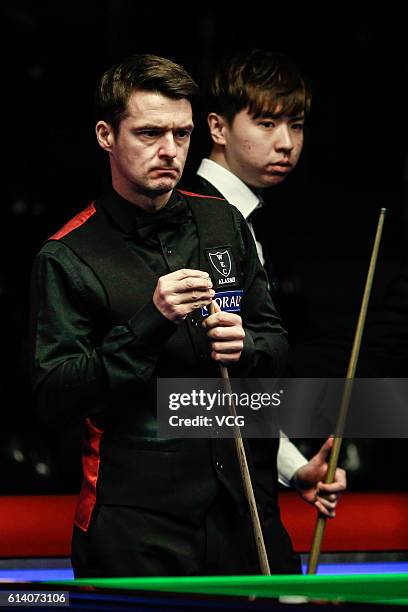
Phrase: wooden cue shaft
[345,401]
[246,477]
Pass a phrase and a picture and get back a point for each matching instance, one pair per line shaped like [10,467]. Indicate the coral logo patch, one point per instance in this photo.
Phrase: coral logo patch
[228,301]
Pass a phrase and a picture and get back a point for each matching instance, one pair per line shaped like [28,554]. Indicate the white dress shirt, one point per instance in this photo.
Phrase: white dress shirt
[236,192]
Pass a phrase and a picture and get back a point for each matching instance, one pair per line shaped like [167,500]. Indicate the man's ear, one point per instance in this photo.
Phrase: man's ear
[218,125]
[104,135]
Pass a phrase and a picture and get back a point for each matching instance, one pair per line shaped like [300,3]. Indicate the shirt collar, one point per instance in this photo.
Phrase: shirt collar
[234,190]
[124,213]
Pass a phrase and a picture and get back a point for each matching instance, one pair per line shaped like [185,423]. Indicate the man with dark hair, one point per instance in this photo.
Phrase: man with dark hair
[141,73]
[257,105]
[116,297]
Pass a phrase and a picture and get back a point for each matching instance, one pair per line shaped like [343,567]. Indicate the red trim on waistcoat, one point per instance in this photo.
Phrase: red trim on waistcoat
[199,195]
[90,464]
[77,221]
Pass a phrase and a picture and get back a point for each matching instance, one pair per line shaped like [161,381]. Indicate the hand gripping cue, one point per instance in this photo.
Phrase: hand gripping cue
[246,476]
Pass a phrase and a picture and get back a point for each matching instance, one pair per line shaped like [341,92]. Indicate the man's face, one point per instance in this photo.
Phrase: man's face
[262,151]
[149,151]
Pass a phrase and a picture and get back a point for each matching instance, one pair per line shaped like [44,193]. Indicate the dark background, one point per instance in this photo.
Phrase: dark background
[321,222]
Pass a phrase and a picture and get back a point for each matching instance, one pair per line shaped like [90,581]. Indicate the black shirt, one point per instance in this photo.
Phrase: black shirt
[71,362]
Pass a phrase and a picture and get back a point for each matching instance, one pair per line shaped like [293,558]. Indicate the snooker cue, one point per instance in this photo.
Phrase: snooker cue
[345,400]
[246,476]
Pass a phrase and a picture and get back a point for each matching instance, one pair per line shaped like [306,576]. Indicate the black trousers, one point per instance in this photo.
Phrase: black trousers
[129,541]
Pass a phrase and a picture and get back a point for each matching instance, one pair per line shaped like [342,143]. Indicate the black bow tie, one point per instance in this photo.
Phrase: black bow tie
[149,223]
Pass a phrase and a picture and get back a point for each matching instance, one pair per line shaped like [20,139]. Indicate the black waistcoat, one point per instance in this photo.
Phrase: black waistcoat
[135,467]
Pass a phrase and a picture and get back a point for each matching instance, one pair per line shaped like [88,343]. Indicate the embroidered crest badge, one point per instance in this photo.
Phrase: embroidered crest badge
[221,261]
[222,266]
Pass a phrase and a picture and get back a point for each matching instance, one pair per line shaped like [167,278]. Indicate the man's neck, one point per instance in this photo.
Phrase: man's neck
[217,156]
[150,202]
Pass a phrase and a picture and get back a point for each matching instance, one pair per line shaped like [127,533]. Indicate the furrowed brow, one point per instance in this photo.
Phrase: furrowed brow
[160,127]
